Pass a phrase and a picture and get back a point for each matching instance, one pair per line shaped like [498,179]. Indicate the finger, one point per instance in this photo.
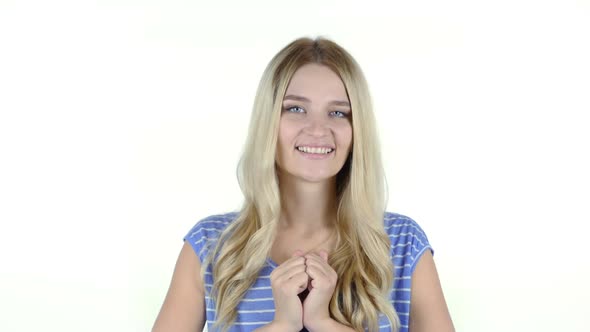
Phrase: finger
[320,280]
[316,272]
[300,281]
[286,266]
[295,284]
[293,261]
[290,272]
[292,286]
[316,259]
[296,259]
[317,268]
[315,284]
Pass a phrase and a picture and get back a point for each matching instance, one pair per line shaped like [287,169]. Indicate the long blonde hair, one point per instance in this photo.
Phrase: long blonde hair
[362,255]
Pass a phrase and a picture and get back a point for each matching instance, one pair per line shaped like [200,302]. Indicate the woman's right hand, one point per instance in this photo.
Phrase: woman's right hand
[287,281]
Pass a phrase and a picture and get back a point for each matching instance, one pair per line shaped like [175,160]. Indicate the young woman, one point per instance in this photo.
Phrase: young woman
[312,247]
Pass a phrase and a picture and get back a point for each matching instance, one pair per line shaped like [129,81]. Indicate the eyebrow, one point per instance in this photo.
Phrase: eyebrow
[301,98]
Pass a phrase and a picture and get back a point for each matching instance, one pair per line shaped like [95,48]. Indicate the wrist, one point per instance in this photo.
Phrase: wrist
[279,326]
[327,325]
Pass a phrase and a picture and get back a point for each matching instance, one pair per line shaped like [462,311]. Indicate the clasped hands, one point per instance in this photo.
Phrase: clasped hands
[292,277]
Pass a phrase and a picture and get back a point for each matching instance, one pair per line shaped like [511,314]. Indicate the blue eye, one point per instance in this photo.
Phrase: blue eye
[294,107]
[339,114]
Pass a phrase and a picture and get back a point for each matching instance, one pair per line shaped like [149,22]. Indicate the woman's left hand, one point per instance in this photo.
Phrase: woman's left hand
[316,311]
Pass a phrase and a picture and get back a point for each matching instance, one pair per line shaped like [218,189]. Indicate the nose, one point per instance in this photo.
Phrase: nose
[317,125]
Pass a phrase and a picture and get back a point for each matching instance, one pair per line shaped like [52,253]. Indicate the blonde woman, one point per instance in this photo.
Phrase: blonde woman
[312,248]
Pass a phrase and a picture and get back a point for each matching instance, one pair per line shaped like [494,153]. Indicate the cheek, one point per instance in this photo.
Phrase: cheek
[285,137]
[287,131]
[345,136]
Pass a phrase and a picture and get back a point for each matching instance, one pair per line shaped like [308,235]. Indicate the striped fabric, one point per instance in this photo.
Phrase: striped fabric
[408,242]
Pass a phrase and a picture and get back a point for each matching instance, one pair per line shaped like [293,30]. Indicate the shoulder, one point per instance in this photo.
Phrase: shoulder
[216,222]
[207,230]
[396,223]
[408,239]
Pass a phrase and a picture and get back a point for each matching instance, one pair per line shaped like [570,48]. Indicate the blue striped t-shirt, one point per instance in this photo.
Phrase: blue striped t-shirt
[408,243]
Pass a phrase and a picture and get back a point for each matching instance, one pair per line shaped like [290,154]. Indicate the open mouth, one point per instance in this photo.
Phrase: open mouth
[315,151]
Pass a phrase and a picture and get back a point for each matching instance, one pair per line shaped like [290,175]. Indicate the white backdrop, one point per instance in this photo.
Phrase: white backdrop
[122,122]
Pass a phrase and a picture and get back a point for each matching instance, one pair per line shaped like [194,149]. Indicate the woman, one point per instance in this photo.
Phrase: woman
[312,247]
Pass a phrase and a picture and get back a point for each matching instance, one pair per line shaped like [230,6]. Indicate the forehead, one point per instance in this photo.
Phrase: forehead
[316,82]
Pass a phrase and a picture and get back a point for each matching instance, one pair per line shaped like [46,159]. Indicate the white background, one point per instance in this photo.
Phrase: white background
[122,123]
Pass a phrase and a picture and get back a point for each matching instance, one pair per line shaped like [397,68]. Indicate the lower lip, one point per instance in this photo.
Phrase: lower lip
[315,156]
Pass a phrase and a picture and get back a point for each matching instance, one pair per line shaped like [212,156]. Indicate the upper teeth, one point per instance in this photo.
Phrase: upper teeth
[314,150]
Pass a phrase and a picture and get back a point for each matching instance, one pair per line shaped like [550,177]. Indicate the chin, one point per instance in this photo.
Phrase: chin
[315,177]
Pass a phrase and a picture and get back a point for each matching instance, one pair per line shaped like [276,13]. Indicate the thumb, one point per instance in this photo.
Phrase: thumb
[324,255]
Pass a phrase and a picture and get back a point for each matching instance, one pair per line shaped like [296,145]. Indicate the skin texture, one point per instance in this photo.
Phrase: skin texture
[183,309]
[321,287]
[314,122]
[287,281]
[428,308]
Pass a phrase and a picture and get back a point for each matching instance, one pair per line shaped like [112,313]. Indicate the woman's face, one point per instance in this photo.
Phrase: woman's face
[315,130]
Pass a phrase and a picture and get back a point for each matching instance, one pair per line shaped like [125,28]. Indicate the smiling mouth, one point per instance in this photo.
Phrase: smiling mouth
[317,151]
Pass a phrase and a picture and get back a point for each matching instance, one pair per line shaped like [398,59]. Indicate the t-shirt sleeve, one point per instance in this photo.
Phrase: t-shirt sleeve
[204,234]
[197,238]
[408,244]
[408,241]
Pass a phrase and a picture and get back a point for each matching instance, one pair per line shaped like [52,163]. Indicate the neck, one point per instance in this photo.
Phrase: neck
[306,206]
